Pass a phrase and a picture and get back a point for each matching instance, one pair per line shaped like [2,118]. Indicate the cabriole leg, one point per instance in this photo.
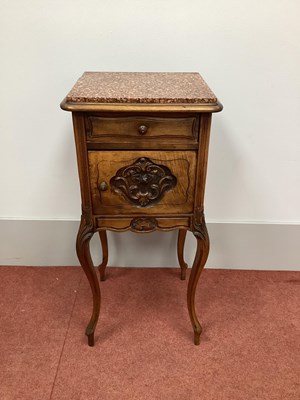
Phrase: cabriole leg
[201,235]
[84,236]
[180,251]
[102,266]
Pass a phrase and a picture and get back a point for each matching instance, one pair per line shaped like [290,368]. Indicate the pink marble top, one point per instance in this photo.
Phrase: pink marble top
[141,87]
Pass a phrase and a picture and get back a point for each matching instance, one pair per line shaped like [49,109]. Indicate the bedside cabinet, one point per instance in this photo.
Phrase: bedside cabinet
[142,147]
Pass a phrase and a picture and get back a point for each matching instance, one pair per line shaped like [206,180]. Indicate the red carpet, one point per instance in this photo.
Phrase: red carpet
[250,346]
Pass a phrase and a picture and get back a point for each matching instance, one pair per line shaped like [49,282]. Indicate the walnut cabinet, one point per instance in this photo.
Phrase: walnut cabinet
[142,146]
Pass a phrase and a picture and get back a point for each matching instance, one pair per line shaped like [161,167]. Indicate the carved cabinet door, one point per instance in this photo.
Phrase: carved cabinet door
[142,182]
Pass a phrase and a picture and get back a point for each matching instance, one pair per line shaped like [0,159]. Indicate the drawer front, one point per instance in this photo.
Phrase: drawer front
[176,129]
[143,224]
[142,182]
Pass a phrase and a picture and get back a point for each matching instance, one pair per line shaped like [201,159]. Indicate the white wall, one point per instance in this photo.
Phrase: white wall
[248,51]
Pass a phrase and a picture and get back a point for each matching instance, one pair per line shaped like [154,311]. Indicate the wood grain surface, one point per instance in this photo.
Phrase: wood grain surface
[167,127]
[103,166]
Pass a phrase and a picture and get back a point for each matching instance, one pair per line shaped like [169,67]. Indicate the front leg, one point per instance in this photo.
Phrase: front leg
[84,236]
[201,234]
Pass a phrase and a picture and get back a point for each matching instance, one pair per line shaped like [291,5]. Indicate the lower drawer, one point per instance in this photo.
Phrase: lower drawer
[143,224]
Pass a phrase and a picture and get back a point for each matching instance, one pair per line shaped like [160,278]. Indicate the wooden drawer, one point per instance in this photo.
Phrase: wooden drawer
[142,182]
[144,224]
[104,128]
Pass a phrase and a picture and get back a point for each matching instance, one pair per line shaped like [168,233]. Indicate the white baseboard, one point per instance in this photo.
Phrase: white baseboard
[233,245]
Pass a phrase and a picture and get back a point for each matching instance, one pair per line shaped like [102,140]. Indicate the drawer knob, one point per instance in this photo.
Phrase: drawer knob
[143,129]
[103,186]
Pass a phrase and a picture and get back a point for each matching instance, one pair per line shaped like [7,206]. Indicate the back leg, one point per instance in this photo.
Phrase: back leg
[102,266]
[180,250]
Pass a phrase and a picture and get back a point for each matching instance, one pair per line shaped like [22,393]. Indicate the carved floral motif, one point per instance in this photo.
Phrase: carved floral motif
[143,224]
[200,230]
[143,183]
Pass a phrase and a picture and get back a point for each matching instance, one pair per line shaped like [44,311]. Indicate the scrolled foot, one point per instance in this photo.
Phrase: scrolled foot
[183,271]
[102,273]
[90,331]
[197,333]
[91,340]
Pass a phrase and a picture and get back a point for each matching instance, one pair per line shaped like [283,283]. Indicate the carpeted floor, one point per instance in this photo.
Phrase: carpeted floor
[250,347]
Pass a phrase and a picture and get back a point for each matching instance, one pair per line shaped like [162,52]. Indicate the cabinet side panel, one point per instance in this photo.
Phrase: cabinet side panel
[82,160]
[204,135]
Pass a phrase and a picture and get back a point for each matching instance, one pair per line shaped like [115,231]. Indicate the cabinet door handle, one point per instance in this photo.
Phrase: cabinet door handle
[142,129]
[103,186]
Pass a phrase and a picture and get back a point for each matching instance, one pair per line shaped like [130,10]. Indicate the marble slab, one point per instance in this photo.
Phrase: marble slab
[141,87]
